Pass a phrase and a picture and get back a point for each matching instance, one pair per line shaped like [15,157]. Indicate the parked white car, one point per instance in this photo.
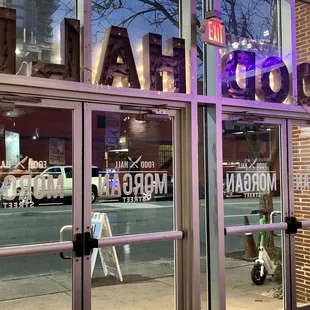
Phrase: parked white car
[53,183]
[67,173]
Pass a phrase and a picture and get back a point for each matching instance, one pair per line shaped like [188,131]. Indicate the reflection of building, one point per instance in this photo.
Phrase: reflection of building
[151,142]
[251,164]
[36,128]
[34,28]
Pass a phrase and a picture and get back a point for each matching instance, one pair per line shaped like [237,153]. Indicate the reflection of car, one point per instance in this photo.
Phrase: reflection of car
[67,173]
[45,187]
[169,194]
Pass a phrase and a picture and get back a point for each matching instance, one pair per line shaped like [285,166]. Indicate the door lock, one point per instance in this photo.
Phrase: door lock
[292,225]
[84,244]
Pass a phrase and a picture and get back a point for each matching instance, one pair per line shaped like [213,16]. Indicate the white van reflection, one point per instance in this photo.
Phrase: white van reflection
[53,184]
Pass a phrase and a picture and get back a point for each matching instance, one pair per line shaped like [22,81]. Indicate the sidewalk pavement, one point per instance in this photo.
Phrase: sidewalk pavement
[146,286]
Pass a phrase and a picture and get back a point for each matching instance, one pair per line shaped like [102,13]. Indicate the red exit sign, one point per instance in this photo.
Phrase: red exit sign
[213,32]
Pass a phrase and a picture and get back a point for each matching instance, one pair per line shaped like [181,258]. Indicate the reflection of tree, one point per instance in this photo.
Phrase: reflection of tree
[266,200]
[123,13]
[255,20]
[243,19]
[249,19]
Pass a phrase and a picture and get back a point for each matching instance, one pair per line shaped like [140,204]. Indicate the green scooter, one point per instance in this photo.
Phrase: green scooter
[263,265]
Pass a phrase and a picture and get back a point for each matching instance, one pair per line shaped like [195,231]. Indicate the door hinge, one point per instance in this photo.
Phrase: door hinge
[84,244]
[292,225]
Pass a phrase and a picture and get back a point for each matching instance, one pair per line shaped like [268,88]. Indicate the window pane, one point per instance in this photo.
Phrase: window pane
[148,279]
[140,18]
[252,195]
[34,142]
[36,283]
[38,29]
[252,20]
[135,178]
[255,45]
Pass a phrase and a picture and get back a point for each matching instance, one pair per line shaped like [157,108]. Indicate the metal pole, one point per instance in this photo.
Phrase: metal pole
[140,238]
[84,14]
[190,260]
[305,224]
[36,249]
[238,230]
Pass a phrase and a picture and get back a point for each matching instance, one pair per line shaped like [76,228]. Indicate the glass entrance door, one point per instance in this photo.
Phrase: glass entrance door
[39,143]
[255,206]
[133,185]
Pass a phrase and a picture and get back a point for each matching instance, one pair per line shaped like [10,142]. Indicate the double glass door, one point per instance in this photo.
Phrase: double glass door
[133,207]
[40,192]
[265,186]
[99,174]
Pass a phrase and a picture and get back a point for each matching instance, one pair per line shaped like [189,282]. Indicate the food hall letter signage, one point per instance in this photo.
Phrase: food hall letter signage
[231,89]
[116,45]
[262,89]
[154,62]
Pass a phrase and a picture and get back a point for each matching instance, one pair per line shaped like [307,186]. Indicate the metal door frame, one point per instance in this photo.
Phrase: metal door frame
[186,260]
[286,239]
[305,224]
[58,247]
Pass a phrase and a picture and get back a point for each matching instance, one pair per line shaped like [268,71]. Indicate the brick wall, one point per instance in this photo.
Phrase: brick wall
[301,157]
[301,162]
[303,31]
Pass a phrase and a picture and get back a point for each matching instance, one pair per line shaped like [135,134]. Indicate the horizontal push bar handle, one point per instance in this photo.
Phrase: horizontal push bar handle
[140,238]
[35,249]
[305,224]
[238,230]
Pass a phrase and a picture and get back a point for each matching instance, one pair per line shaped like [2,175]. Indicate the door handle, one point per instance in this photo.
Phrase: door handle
[272,215]
[61,235]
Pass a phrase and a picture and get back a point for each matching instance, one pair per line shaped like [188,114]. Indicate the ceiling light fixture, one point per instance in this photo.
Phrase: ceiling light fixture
[36,134]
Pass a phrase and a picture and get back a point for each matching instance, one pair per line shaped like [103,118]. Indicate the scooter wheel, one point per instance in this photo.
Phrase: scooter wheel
[256,277]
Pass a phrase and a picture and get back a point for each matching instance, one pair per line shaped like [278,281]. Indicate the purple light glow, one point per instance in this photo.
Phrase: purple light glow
[267,94]
[231,89]
[303,75]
